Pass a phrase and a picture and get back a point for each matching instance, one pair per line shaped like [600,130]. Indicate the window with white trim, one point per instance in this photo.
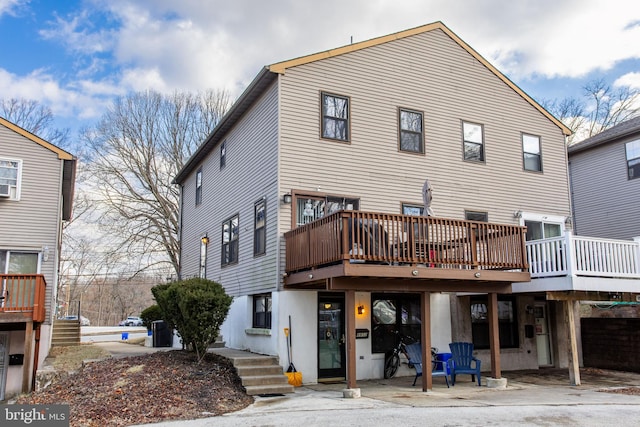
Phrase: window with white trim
[199,187]
[260,227]
[531,153]
[632,150]
[230,234]
[262,311]
[10,178]
[473,140]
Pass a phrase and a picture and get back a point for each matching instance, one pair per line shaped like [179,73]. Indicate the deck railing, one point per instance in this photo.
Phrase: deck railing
[23,293]
[370,237]
[583,256]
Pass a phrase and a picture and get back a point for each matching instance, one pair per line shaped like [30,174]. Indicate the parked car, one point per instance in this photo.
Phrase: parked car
[131,321]
[83,320]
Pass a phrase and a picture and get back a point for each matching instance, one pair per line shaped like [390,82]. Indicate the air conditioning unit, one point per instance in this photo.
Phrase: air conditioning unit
[5,190]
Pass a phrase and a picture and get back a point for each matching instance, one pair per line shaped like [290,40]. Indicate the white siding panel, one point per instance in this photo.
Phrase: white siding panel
[428,72]
[250,173]
[606,202]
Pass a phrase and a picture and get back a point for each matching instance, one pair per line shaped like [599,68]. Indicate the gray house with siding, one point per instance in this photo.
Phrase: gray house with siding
[36,194]
[306,203]
[605,182]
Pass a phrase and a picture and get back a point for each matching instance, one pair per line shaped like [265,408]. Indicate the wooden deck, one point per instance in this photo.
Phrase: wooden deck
[447,253]
[22,296]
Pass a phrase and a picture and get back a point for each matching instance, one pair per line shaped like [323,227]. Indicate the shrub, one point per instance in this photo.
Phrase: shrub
[196,308]
[151,314]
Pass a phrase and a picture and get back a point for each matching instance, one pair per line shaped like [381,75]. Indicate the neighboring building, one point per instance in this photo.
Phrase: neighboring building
[605,181]
[36,195]
[361,128]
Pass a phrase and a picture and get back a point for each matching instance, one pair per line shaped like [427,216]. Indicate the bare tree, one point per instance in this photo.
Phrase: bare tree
[600,108]
[31,115]
[134,152]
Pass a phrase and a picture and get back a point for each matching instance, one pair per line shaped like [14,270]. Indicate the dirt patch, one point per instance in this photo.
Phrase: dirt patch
[156,387]
[71,358]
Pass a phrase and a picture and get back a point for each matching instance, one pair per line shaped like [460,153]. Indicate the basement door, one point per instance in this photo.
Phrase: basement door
[543,337]
[4,361]
[331,338]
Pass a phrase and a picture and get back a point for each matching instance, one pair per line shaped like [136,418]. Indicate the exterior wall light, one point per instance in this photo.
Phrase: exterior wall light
[286,199]
[205,240]
[360,309]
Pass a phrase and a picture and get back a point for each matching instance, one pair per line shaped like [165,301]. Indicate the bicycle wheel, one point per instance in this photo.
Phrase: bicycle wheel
[391,365]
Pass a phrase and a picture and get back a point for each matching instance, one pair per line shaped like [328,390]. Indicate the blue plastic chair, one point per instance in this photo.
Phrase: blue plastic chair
[462,360]
[414,351]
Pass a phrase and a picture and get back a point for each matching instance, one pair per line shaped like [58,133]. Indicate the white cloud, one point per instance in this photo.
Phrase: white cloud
[631,80]
[124,45]
[9,7]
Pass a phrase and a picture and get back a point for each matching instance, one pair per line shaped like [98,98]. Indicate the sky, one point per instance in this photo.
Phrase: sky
[76,56]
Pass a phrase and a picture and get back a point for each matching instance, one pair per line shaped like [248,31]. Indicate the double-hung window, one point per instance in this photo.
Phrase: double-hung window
[531,152]
[199,187]
[10,174]
[411,131]
[230,229]
[223,154]
[473,139]
[633,159]
[262,311]
[260,227]
[335,117]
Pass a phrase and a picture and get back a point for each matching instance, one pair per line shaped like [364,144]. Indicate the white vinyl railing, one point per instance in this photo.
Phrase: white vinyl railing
[587,256]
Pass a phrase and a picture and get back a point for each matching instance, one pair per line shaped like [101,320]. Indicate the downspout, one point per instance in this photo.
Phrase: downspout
[36,355]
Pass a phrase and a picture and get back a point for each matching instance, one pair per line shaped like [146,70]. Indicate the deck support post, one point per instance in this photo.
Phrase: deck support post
[494,335]
[26,367]
[350,318]
[425,330]
[574,361]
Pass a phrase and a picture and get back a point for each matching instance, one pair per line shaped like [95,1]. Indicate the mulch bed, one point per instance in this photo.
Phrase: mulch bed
[162,386]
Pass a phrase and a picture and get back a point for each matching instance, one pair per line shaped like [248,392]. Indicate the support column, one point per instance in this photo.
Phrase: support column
[494,335]
[26,367]
[425,338]
[350,318]
[574,361]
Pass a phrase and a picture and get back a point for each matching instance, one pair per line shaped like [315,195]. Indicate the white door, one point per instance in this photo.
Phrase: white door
[543,338]
[4,361]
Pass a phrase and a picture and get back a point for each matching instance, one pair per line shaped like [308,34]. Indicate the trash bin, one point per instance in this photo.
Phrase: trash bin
[441,360]
[161,334]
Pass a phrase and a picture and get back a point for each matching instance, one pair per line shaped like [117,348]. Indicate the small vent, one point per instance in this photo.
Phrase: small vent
[5,190]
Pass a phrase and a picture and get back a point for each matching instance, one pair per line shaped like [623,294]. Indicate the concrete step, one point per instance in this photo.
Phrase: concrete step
[255,371]
[264,380]
[254,390]
[255,361]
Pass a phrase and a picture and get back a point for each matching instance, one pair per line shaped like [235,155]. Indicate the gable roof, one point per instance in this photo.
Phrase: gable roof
[614,133]
[268,74]
[62,155]
[68,167]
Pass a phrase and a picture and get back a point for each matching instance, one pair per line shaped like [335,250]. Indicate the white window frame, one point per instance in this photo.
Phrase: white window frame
[544,219]
[14,190]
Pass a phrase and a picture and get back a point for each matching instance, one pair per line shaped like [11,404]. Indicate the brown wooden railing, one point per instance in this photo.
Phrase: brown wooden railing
[357,236]
[23,293]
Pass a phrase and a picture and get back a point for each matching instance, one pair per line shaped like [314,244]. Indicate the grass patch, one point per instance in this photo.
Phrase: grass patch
[70,358]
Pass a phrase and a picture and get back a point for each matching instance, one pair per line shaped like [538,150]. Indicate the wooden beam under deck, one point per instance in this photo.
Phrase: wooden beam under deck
[592,296]
[410,278]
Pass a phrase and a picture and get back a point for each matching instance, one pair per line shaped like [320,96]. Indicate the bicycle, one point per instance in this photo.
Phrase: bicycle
[392,361]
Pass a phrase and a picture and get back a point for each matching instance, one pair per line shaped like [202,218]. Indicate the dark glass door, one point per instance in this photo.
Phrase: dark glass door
[331,337]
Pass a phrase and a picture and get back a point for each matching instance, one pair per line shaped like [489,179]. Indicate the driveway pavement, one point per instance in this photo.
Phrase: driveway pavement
[532,398]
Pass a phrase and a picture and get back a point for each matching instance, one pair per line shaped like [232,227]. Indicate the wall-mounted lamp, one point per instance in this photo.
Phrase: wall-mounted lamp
[205,239]
[529,309]
[360,309]
[45,253]
[517,214]
[286,199]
